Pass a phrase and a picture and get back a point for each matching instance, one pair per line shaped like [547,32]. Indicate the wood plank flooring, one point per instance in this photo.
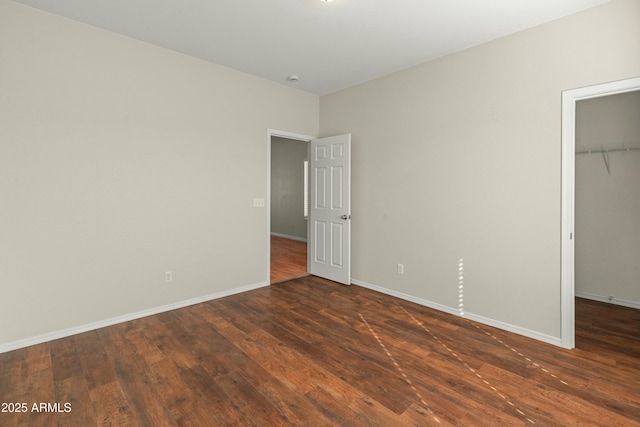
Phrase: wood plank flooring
[288,259]
[310,352]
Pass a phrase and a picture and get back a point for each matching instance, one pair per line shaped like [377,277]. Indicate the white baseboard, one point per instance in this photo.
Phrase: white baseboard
[515,329]
[287,236]
[405,297]
[602,298]
[125,318]
[474,317]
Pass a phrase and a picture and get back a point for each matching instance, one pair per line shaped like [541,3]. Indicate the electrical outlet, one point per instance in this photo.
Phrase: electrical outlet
[400,268]
[168,276]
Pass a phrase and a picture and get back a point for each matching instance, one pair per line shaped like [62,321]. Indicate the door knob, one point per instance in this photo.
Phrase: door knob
[346,217]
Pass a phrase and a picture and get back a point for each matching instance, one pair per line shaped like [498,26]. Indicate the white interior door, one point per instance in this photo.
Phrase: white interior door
[330,208]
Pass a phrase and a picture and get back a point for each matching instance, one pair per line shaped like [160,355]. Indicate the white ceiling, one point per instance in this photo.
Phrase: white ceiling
[330,46]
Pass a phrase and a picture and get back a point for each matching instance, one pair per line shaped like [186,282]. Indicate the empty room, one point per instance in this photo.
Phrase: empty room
[462,196]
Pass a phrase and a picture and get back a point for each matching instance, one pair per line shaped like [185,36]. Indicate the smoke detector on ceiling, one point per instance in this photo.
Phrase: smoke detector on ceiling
[293,78]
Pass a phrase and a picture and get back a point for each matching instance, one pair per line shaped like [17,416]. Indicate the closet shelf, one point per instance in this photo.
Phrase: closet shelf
[605,154]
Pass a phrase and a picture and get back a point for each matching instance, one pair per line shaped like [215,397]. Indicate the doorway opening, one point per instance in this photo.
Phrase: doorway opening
[570,98]
[287,226]
[288,208]
[607,199]
[329,205]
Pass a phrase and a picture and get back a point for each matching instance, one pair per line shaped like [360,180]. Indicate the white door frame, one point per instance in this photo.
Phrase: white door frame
[567,279]
[289,135]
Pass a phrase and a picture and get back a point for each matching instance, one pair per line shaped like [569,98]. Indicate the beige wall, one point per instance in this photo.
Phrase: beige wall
[607,208]
[287,187]
[460,158]
[119,161]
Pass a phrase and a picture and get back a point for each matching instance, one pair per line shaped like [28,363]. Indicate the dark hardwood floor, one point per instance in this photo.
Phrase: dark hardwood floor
[288,259]
[310,352]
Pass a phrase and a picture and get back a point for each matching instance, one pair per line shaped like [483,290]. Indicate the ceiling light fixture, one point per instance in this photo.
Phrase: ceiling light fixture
[293,77]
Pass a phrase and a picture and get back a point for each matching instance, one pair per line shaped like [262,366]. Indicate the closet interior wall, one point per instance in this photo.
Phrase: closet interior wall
[607,201]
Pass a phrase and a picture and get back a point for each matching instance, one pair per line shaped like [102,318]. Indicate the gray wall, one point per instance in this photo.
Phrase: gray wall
[287,187]
[607,209]
[119,161]
[460,158]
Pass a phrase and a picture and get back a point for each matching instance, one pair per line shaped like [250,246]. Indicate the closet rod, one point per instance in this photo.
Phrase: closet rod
[612,150]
